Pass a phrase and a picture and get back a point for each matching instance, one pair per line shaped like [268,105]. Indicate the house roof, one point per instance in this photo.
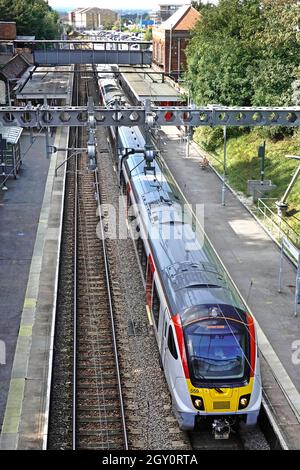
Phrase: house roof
[89,9]
[184,19]
[15,67]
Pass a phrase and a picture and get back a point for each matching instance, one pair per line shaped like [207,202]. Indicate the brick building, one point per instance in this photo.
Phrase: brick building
[8,30]
[175,31]
[166,9]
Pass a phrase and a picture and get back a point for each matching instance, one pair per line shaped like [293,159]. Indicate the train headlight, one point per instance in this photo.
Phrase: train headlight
[198,402]
[244,401]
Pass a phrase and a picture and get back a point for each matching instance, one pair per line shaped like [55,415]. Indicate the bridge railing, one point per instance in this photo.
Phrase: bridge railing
[64,52]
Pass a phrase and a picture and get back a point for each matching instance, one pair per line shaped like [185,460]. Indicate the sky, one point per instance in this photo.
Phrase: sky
[112,4]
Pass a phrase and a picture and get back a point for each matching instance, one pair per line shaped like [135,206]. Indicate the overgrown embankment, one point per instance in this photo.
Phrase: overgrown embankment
[243,162]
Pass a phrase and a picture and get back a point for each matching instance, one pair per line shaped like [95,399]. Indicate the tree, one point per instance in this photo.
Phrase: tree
[148,34]
[108,25]
[279,53]
[33,17]
[220,53]
[245,52]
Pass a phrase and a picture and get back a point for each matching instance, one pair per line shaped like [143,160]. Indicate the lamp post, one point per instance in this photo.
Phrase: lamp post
[282,205]
[224,165]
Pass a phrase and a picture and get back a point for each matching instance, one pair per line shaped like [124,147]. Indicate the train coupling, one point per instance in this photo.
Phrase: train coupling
[221,429]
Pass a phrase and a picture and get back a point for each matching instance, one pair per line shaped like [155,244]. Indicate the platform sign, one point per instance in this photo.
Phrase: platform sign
[293,253]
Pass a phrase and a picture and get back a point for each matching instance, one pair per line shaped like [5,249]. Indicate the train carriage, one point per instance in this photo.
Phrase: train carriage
[205,335]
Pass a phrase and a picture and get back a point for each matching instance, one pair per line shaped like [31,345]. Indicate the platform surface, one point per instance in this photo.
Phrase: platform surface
[19,215]
[31,330]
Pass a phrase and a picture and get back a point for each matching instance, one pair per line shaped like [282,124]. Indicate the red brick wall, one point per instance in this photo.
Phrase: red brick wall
[178,58]
[8,30]
[161,52]
[180,38]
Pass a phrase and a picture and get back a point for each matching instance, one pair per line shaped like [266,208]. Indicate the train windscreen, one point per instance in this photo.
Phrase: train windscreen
[216,350]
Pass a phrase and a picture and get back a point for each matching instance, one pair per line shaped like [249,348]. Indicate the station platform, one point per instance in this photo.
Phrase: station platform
[30,233]
[144,82]
[20,207]
[252,259]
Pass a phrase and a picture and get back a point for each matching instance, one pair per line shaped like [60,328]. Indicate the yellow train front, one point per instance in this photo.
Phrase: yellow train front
[220,367]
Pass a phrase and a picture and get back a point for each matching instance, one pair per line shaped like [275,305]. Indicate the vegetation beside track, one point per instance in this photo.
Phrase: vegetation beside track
[243,162]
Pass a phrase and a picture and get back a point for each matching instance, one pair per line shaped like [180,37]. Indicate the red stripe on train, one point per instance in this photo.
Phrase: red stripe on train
[252,344]
[180,339]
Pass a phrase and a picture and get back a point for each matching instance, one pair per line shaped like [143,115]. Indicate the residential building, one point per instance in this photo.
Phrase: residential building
[165,10]
[8,30]
[91,18]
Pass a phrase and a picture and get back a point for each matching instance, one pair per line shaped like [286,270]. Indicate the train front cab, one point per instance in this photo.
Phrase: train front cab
[234,391]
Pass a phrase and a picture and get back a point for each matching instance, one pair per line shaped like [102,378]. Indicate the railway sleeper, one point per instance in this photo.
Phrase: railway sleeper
[97,432]
[98,419]
[89,385]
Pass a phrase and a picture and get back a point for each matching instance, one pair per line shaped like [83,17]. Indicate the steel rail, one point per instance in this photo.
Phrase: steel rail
[74,422]
[75,305]
[109,290]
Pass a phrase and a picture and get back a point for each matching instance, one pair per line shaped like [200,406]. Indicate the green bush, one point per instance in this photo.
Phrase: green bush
[209,138]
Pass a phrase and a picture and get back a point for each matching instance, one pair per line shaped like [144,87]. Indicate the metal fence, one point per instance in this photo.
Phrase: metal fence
[275,224]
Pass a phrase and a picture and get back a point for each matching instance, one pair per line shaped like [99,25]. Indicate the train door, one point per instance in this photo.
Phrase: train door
[163,333]
[169,354]
[161,326]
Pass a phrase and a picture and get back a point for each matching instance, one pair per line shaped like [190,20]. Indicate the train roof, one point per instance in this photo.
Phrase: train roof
[191,273]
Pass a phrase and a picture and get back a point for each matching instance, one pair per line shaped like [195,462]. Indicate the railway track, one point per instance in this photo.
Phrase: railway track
[98,410]
[86,378]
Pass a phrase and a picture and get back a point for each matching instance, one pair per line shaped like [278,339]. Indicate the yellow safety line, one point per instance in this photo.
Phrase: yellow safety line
[149,315]
[29,303]
[14,406]
[25,330]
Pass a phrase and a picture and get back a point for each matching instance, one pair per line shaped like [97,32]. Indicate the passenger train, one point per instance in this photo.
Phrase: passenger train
[206,337]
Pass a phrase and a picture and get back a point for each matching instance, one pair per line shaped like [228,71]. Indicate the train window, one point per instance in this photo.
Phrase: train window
[149,283]
[155,304]
[123,183]
[129,202]
[142,255]
[171,344]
